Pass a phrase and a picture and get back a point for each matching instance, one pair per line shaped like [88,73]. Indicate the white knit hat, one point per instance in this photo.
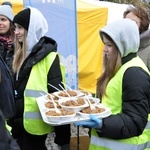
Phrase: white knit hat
[7,11]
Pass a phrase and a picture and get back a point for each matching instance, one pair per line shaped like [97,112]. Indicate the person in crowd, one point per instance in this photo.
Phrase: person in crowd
[141,16]
[124,87]
[7,102]
[7,94]
[6,34]
[36,63]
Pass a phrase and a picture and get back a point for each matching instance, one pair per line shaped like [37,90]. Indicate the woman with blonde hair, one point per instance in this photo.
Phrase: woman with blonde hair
[36,63]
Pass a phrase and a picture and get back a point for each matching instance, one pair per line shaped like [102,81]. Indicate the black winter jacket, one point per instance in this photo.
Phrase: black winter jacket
[7,55]
[6,140]
[7,98]
[130,123]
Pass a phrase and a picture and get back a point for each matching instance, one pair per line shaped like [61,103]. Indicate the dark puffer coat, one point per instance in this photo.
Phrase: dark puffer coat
[7,100]
[7,55]
[6,140]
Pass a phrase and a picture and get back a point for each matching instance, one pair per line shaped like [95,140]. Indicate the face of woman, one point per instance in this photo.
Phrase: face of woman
[108,48]
[111,56]
[19,32]
[133,17]
[4,25]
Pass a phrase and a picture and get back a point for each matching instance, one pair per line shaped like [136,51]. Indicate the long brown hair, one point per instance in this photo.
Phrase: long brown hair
[20,53]
[10,32]
[142,13]
[110,67]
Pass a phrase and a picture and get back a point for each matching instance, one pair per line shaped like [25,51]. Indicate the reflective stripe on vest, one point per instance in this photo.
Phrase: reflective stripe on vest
[114,145]
[32,115]
[34,93]
[141,142]
[97,143]
[33,122]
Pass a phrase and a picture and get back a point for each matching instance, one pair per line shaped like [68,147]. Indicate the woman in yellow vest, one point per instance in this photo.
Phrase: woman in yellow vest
[124,86]
[36,63]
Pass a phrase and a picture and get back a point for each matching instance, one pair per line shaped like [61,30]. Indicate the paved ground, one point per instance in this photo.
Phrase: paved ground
[50,139]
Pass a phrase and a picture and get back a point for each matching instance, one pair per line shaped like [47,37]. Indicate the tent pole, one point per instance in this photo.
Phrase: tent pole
[78,140]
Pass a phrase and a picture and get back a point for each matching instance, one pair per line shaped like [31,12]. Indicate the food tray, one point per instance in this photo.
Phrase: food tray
[41,104]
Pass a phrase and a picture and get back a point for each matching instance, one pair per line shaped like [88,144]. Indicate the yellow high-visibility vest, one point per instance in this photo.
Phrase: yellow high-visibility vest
[141,142]
[37,82]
